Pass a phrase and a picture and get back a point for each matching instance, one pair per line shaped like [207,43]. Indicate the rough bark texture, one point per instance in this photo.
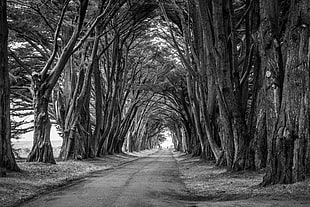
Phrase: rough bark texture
[196,116]
[42,150]
[7,160]
[269,96]
[258,123]
[77,127]
[228,90]
[203,89]
[288,154]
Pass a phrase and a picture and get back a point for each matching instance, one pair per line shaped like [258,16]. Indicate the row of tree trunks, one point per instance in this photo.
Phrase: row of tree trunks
[195,108]
[229,98]
[211,61]
[74,130]
[136,126]
[112,110]
[77,132]
[121,103]
[262,97]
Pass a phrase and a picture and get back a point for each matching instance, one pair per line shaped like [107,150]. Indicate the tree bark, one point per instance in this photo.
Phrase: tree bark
[7,159]
[288,153]
[42,150]
[78,133]
[228,91]
[195,108]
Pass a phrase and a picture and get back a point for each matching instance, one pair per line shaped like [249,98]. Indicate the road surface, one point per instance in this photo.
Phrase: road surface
[148,181]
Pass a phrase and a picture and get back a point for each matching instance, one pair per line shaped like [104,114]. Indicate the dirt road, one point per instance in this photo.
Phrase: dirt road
[149,181]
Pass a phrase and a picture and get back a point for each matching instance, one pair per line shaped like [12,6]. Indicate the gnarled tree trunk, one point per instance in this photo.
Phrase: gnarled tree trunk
[42,150]
[289,157]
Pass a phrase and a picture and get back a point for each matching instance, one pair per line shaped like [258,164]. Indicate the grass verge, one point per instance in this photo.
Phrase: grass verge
[38,178]
[218,187]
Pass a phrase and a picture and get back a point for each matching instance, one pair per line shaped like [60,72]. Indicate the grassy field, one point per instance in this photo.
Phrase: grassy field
[23,147]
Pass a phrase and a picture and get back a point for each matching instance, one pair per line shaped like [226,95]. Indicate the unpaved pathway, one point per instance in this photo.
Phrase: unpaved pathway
[149,181]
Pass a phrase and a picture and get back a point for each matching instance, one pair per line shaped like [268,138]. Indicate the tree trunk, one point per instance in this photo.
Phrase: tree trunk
[78,132]
[259,126]
[228,91]
[7,160]
[77,126]
[206,120]
[42,149]
[287,163]
[261,139]
[269,93]
[225,131]
[42,86]
[196,115]
[178,137]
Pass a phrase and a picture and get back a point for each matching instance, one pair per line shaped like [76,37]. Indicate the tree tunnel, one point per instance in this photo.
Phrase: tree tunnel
[113,75]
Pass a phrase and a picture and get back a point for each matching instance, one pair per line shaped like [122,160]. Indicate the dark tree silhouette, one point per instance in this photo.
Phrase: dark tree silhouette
[7,160]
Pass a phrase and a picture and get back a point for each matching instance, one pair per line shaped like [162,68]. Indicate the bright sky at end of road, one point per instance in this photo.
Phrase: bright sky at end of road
[168,141]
